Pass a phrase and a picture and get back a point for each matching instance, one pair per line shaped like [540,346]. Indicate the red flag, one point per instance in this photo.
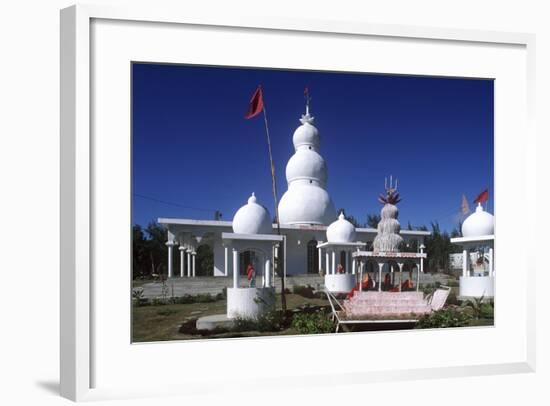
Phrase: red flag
[482,197]
[256,104]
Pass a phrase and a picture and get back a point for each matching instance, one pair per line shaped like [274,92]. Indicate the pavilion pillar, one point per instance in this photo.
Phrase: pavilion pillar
[193,256]
[334,262]
[226,261]
[491,266]
[188,263]
[418,278]
[353,265]
[170,245]
[267,272]
[361,276]
[235,268]
[465,261]
[400,264]
[380,266]
[346,269]
[327,264]
[320,259]
[182,261]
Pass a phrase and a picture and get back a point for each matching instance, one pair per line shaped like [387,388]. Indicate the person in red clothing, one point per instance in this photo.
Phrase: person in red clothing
[387,282]
[251,275]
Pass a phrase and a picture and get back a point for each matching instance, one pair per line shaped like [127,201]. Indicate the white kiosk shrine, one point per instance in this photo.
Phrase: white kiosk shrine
[252,231]
[340,238]
[478,277]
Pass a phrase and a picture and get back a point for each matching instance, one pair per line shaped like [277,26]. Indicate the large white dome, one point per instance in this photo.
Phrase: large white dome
[341,230]
[252,218]
[478,223]
[306,135]
[306,204]
[306,164]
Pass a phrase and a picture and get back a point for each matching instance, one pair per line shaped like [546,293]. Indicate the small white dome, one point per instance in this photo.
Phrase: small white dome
[304,203]
[478,223]
[306,164]
[341,230]
[306,135]
[252,218]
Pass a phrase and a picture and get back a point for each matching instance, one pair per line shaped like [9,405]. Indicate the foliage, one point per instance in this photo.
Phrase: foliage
[204,260]
[166,312]
[438,247]
[304,291]
[187,299]
[271,321]
[137,294]
[479,309]
[373,220]
[313,323]
[452,316]
[149,252]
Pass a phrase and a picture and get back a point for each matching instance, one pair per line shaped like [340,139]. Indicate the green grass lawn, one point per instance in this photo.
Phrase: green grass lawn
[161,323]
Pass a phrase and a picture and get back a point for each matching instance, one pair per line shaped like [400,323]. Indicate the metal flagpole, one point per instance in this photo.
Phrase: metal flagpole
[274,185]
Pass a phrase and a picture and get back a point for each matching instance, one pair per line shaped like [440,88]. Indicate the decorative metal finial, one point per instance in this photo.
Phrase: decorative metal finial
[307,118]
[391,196]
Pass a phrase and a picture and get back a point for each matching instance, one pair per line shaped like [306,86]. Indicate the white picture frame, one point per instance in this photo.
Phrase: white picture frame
[77,216]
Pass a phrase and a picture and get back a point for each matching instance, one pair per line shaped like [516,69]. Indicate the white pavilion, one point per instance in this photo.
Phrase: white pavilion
[305,211]
[478,277]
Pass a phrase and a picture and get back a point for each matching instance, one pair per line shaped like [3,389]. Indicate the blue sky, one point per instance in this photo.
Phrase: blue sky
[193,151]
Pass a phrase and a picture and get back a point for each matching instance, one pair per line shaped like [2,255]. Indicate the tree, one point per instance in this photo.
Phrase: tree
[350,218]
[373,220]
[205,260]
[149,252]
[438,248]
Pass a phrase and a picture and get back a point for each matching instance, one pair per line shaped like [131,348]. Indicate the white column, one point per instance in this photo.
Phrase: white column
[267,279]
[421,259]
[353,265]
[327,263]
[417,278]
[182,261]
[320,259]
[225,260]
[170,245]
[491,269]
[465,258]
[188,263]
[400,264]
[380,266]
[235,268]
[361,266]
[194,255]
[334,262]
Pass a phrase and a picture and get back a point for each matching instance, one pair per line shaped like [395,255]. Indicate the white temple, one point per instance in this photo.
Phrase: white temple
[305,211]
[478,276]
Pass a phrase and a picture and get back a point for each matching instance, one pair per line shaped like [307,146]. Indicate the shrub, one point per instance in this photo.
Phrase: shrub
[476,306]
[137,295]
[157,301]
[271,321]
[453,283]
[304,291]
[166,312]
[313,323]
[452,316]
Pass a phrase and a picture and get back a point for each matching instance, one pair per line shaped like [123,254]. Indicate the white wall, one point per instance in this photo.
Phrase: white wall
[29,203]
